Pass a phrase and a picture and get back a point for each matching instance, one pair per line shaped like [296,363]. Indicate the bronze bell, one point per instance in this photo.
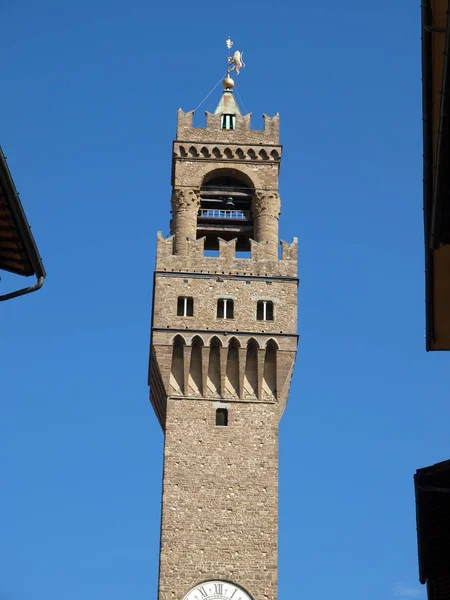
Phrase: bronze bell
[229,203]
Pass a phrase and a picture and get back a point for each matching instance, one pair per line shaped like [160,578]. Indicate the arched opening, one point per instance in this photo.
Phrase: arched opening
[274,154]
[269,385]
[195,368]
[177,368]
[232,373]
[213,379]
[251,370]
[226,209]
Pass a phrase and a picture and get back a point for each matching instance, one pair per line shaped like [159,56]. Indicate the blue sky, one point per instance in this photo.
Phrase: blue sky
[89,94]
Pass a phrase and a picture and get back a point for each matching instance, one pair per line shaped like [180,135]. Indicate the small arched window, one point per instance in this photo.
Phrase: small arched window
[221,417]
[225,308]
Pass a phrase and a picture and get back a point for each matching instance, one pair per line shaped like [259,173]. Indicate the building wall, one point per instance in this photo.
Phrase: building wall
[220,488]
[220,497]
[244,293]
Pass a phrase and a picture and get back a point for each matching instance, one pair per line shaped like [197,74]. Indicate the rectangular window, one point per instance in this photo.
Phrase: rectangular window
[221,417]
[228,121]
[185,306]
[225,308]
[264,310]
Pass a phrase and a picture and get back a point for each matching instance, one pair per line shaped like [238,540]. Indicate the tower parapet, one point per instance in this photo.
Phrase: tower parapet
[228,261]
[242,133]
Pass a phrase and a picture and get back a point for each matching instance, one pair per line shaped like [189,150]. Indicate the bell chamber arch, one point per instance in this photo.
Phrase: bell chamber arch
[226,209]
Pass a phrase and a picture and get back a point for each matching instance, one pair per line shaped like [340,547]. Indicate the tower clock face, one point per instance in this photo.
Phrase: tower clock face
[217,590]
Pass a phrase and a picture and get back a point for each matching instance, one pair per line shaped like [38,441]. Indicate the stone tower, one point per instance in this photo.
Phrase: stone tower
[223,346]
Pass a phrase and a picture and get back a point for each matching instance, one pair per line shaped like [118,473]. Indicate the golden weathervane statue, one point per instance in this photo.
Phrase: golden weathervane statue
[235,63]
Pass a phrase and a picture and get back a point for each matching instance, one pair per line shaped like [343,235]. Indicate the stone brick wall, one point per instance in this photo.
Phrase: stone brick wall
[220,492]
[244,293]
[191,171]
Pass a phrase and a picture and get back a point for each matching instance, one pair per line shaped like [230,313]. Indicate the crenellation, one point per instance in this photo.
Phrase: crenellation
[164,247]
[196,249]
[228,262]
[289,251]
[243,124]
[212,122]
[227,251]
[184,121]
[242,134]
[272,125]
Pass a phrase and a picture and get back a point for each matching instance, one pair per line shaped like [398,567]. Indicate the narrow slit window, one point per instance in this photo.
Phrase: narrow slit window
[185,306]
[264,310]
[221,417]
[225,308]
[228,121]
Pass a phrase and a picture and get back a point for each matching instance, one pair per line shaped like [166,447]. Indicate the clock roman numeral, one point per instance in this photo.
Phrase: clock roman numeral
[235,590]
[219,588]
[202,592]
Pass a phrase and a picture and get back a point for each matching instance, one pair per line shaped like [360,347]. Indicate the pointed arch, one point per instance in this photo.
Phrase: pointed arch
[253,341]
[183,151]
[251,369]
[234,342]
[251,154]
[216,152]
[240,153]
[269,383]
[195,367]
[197,341]
[213,377]
[272,342]
[263,154]
[205,152]
[274,154]
[176,379]
[193,151]
[228,153]
[178,340]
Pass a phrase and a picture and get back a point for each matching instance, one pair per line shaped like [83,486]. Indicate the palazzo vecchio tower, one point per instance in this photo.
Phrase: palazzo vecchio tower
[223,346]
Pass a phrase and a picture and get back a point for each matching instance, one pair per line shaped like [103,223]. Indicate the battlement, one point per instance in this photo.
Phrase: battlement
[228,261]
[242,134]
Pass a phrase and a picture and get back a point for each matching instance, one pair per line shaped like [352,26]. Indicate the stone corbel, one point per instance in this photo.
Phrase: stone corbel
[187,351]
[205,366]
[242,362]
[223,368]
[261,360]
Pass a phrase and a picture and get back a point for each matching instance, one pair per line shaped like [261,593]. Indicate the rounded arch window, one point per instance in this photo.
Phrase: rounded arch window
[227,191]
